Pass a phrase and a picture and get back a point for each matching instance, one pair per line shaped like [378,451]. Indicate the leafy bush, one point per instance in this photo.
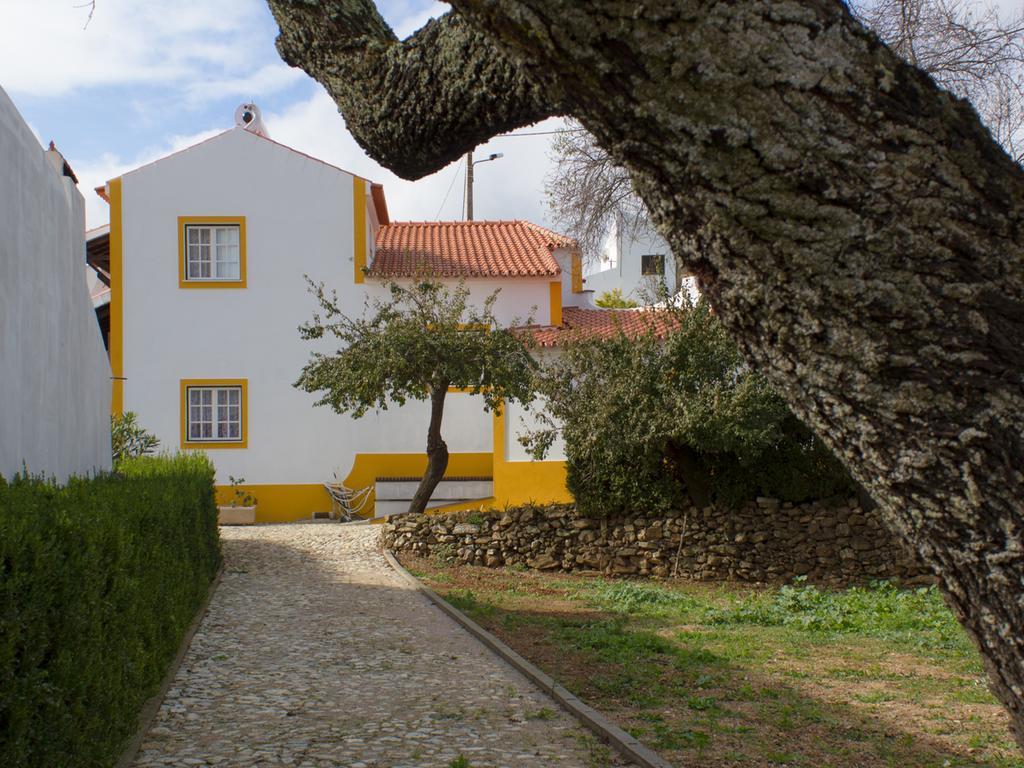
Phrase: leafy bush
[648,421]
[613,299]
[128,439]
[98,581]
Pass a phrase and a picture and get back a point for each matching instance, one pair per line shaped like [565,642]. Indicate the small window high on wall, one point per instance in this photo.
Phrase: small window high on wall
[211,252]
[652,264]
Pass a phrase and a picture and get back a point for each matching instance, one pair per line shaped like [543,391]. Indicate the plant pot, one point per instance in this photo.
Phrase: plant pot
[236,515]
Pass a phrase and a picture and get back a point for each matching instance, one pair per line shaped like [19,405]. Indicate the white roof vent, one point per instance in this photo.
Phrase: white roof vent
[248,117]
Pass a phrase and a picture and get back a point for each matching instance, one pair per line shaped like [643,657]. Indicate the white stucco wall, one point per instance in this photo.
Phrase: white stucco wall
[298,215]
[625,249]
[54,375]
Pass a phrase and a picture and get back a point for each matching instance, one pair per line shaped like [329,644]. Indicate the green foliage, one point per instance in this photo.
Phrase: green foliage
[427,338]
[239,496]
[613,300]
[645,421]
[128,439]
[880,609]
[636,596]
[98,581]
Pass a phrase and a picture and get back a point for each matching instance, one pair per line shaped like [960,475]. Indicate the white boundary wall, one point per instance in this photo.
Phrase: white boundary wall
[54,374]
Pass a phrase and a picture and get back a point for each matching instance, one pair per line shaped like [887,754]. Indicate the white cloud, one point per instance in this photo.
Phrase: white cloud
[409,24]
[509,188]
[45,51]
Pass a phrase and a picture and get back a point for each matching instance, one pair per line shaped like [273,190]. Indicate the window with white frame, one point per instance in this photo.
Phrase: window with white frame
[212,252]
[215,414]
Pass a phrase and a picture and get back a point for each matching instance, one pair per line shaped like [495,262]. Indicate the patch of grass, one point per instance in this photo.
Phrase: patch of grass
[467,602]
[460,762]
[917,616]
[726,675]
[636,597]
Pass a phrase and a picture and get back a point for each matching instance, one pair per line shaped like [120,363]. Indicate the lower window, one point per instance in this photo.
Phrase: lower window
[214,414]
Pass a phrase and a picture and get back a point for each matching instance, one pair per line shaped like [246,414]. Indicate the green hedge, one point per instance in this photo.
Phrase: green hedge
[99,580]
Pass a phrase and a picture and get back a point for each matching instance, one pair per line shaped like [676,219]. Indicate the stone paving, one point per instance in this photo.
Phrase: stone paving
[314,653]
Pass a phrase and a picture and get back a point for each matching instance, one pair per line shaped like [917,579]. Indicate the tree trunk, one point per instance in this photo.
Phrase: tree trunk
[856,228]
[437,453]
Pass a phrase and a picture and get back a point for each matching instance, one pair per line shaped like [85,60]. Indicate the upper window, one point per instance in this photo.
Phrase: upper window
[652,264]
[213,414]
[212,252]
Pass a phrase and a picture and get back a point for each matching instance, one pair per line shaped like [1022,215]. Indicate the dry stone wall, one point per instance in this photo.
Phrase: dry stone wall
[765,541]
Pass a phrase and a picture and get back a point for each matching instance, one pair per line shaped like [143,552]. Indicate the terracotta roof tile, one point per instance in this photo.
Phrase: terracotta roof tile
[467,249]
[580,323]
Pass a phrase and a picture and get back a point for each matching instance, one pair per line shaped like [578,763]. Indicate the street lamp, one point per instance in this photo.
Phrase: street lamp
[470,162]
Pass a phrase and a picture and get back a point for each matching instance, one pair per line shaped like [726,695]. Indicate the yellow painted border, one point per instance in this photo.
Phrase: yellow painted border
[207,444]
[577,272]
[367,467]
[116,299]
[556,303]
[185,220]
[280,503]
[359,228]
[524,482]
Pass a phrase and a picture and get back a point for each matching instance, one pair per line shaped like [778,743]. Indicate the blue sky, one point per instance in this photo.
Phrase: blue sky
[148,77]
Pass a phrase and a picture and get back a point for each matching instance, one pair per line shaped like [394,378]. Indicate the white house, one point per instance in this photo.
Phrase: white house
[54,375]
[638,262]
[208,249]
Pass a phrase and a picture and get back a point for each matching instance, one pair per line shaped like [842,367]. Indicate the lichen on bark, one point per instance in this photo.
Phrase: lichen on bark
[856,228]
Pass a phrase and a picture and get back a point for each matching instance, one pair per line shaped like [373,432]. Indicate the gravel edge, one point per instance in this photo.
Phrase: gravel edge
[622,742]
[150,709]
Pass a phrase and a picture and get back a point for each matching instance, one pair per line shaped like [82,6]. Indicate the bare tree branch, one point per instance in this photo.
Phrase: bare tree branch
[968,48]
[413,105]
[587,191]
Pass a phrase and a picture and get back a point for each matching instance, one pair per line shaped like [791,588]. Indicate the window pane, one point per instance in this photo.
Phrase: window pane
[193,235]
[204,235]
[233,432]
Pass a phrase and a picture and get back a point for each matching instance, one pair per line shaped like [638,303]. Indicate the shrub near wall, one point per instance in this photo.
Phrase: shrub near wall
[99,580]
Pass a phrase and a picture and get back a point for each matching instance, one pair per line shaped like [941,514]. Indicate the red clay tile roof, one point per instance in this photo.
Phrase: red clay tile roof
[580,323]
[467,249]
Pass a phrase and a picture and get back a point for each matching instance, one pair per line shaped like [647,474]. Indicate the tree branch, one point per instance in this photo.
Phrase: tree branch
[413,105]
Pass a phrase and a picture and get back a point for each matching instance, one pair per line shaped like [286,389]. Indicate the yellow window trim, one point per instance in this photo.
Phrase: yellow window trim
[207,444]
[185,220]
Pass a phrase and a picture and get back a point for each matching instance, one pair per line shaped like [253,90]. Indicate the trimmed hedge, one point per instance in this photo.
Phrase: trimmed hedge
[99,579]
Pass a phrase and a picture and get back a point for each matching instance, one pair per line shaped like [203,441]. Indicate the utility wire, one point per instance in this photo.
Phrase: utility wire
[458,168]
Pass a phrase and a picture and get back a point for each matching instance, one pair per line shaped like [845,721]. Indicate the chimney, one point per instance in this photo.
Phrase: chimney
[60,165]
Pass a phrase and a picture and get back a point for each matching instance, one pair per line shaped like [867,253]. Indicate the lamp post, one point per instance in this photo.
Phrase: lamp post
[469,179]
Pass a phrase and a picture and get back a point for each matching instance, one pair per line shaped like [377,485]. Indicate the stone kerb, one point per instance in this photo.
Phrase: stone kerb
[764,541]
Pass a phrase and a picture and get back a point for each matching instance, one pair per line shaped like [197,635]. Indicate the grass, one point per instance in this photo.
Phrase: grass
[728,675]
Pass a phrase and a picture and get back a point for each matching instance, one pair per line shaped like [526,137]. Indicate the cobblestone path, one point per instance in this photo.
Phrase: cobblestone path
[314,653]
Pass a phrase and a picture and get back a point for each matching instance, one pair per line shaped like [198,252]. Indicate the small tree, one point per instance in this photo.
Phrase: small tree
[128,439]
[424,341]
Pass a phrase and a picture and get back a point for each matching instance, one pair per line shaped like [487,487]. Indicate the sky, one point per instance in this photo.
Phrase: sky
[148,77]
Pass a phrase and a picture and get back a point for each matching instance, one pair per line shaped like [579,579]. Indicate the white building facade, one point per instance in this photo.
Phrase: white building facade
[54,374]
[209,249]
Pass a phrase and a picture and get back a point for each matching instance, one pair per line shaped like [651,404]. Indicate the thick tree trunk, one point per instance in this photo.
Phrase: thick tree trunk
[855,227]
[437,453]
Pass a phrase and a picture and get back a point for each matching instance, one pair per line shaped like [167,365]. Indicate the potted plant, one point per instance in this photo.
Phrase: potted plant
[241,510]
